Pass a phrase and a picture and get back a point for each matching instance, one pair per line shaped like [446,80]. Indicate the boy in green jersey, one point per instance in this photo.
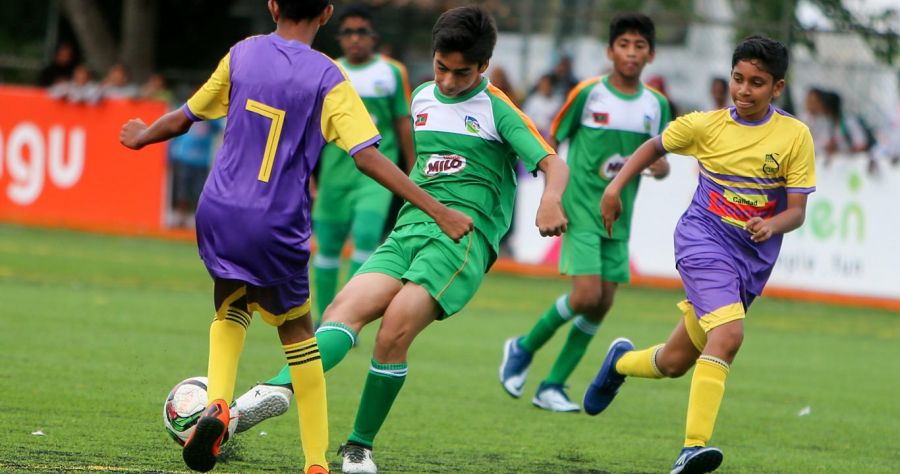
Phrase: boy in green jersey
[468,136]
[605,119]
[348,202]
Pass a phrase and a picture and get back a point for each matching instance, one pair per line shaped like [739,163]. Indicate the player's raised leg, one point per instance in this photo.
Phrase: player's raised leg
[411,311]
[362,300]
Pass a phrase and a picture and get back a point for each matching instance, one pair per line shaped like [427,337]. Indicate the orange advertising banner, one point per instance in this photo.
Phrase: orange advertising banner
[61,164]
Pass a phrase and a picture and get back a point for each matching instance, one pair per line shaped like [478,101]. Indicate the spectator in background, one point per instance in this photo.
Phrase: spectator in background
[62,67]
[500,80]
[564,79]
[658,83]
[718,91]
[155,89]
[543,104]
[116,84]
[81,89]
[833,131]
[191,156]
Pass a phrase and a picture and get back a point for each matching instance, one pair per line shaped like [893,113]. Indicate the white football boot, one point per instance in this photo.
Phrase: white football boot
[261,402]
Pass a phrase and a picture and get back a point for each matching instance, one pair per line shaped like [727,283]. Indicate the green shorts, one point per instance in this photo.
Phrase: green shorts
[423,254]
[587,253]
[341,203]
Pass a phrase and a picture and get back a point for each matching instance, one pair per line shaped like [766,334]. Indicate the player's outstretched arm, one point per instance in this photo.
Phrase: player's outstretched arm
[785,221]
[611,202]
[378,167]
[551,218]
[135,134]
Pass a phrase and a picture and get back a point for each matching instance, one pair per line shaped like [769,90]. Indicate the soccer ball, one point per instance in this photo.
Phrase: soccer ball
[183,408]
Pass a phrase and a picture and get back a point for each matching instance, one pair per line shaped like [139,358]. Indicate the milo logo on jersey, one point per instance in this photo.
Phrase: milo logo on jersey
[444,164]
[611,167]
[737,208]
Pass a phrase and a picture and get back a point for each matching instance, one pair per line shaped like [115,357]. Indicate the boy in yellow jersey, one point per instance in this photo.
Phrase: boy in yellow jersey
[757,167]
[284,102]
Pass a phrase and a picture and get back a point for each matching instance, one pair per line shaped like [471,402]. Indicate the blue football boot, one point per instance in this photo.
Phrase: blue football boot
[697,460]
[603,388]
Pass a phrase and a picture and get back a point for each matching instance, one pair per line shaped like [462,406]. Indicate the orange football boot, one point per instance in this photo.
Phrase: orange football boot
[202,448]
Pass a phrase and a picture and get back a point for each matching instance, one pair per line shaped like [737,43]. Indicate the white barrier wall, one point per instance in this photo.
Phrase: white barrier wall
[849,245]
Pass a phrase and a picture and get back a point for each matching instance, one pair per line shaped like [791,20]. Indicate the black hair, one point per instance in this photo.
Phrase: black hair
[720,80]
[469,30]
[769,55]
[299,10]
[637,22]
[357,11]
[831,101]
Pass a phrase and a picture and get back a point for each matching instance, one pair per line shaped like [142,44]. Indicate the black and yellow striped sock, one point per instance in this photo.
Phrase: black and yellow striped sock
[226,342]
[308,380]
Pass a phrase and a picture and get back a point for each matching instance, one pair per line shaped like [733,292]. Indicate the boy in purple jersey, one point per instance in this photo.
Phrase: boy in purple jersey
[284,101]
[757,167]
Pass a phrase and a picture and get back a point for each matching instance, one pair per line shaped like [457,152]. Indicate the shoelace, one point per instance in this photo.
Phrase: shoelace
[356,453]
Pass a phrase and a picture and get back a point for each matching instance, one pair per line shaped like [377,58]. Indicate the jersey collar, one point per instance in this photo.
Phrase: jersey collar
[737,118]
[455,100]
[622,95]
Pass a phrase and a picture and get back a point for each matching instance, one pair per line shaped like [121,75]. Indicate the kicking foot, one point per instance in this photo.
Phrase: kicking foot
[261,402]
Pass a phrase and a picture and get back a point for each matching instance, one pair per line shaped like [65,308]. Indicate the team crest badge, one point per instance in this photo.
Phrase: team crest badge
[472,125]
[601,118]
[770,165]
[421,119]
[648,122]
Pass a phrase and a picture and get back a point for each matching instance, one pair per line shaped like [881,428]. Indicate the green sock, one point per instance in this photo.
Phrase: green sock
[334,340]
[326,277]
[283,378]
[382,386]
[557,314]
[579,337]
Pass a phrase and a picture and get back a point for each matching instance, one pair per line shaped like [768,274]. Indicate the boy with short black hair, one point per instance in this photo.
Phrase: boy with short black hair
[468,136]
[284,101]
[757,167]
[605,119]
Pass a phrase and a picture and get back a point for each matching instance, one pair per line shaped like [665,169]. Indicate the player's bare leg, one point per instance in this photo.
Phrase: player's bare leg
[362,300]
[411,311]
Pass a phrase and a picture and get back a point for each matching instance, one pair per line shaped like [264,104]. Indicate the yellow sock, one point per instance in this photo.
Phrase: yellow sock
[640,363]
[707,389]
[226,341]
[308,380]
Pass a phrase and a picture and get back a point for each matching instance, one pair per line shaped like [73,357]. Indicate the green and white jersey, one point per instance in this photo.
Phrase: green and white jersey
[466,150]
[383,85]
[604,127]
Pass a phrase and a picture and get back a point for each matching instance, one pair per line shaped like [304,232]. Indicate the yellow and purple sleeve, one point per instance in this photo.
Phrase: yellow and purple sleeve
[680,136]
[345,120]
[801,173]
[210,102]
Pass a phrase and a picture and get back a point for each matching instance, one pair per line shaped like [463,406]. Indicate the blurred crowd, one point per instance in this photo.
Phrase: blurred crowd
[836,131]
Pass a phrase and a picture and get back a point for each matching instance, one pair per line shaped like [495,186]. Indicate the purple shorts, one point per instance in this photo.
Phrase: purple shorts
[715,288]
[276,304]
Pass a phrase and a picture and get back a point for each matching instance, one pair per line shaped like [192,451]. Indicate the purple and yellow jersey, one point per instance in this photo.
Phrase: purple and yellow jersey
[747,169]
[283,101]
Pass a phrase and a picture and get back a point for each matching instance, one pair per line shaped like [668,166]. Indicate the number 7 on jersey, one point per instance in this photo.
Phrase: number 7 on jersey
[277,117]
